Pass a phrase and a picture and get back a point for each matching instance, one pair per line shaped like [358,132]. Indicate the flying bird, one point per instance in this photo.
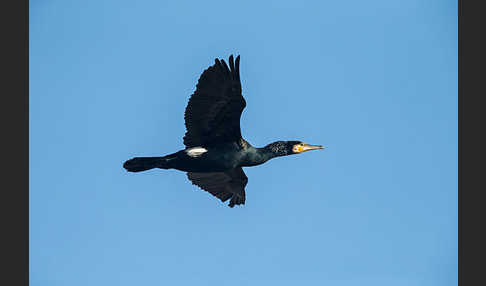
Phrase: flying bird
[215,150]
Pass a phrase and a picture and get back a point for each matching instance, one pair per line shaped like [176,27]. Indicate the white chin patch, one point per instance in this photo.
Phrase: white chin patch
[196,151]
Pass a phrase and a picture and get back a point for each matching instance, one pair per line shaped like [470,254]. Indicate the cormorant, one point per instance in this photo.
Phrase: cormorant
[215,150]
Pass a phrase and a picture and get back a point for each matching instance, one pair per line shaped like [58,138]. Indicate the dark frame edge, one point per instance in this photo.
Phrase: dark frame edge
[15,142]
[471,142]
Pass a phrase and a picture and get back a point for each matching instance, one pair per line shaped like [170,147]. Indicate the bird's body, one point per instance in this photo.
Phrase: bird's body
[215,150]
[212,159]
[216,158]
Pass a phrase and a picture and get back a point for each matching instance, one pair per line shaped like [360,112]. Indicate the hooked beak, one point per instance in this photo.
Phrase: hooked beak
[308,147]
[303,147]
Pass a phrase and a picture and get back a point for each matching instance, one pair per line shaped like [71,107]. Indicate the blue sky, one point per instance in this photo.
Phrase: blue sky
[373,81]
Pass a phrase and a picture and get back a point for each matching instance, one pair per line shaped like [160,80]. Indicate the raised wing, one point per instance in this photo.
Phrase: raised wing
[223,185]
[213,113]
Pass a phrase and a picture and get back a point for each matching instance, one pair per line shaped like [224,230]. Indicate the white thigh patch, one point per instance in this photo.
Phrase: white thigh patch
[196,151]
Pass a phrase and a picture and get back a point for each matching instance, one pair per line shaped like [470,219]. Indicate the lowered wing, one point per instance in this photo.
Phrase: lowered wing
[223,185]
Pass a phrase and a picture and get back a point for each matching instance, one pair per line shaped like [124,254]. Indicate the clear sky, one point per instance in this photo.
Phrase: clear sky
[373,81]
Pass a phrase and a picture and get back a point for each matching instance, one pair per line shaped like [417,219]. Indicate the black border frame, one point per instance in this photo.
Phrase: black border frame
[14,117]
[471,62]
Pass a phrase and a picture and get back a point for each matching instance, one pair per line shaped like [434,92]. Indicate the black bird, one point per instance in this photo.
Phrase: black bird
[215,150]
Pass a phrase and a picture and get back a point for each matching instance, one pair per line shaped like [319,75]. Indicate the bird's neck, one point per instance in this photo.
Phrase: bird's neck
[267,153]
[256,156]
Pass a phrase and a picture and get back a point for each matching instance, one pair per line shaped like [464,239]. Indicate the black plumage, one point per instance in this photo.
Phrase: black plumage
[213,113]
[215,150]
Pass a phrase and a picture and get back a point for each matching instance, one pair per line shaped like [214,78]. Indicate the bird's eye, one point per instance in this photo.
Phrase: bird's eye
[301,144]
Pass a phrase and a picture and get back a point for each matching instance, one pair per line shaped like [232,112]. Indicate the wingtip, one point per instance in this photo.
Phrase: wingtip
[231,63]
[231,57]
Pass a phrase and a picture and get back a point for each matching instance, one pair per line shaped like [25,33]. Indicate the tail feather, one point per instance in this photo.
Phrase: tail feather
[139,164]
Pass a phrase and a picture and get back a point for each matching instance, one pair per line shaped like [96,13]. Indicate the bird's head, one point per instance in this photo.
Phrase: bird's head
[283,148]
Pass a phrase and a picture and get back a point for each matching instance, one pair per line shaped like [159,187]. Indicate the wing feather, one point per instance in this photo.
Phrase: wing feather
[213,113]
[223,185]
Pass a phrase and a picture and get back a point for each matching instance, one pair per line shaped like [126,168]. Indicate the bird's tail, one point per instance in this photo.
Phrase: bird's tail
[139,164]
